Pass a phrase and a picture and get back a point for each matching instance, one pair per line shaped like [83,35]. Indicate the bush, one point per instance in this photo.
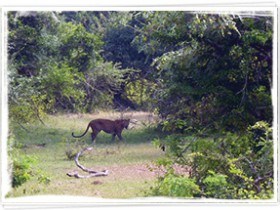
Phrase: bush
[22,170]
[215,185]
[178,186]
[230,166]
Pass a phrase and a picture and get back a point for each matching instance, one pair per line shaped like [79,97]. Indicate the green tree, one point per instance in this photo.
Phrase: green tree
[217,66]
[53,64]
[78,47]
[32,43]
[216,75]
[121,30]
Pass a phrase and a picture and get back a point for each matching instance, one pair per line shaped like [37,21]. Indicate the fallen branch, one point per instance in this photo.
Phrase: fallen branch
[77,175]
[92,173]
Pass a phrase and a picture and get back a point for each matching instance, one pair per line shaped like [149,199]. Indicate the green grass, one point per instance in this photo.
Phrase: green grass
[129,177]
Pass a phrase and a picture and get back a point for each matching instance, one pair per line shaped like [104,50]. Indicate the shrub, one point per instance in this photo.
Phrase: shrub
[179,186]
[229,166]
[22,170]
[215,185]
[174,185]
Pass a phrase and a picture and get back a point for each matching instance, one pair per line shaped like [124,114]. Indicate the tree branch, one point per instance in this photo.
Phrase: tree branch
[92,173]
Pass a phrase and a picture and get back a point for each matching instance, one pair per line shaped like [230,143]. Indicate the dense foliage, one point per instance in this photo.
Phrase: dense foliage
[228,166]
[218,66]
[199,72]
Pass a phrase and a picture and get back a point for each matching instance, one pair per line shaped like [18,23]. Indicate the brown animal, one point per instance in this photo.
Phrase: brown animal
[113,127]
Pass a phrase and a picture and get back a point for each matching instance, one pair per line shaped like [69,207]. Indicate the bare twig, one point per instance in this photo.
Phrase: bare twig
[187,147]
[24,128]
[258,178]
[243,90]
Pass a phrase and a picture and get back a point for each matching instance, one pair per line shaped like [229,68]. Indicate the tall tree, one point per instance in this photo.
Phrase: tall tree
[217,66]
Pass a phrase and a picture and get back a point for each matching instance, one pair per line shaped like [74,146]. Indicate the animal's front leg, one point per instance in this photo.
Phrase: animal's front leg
[113,137]
[120,136]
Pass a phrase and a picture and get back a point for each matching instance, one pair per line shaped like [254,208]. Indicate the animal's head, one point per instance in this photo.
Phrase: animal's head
[125,123]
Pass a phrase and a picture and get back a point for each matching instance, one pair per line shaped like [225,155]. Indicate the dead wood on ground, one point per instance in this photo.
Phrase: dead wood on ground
[92,173]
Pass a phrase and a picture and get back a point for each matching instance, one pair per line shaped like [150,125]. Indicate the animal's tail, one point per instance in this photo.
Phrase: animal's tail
[82,134]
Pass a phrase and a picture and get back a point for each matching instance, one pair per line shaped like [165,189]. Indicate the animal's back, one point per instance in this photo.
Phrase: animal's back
[103,124]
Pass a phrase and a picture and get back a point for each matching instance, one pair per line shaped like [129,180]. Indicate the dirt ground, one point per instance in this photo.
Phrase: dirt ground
[135,172]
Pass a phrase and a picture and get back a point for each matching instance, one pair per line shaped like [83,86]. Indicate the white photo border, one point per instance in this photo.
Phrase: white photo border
[72,201]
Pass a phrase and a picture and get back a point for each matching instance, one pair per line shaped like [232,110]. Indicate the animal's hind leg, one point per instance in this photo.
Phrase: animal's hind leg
[121,141]
[113,138]
[93,136]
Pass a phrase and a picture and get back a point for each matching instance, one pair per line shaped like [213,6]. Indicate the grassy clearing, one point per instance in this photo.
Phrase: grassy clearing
[129,176]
